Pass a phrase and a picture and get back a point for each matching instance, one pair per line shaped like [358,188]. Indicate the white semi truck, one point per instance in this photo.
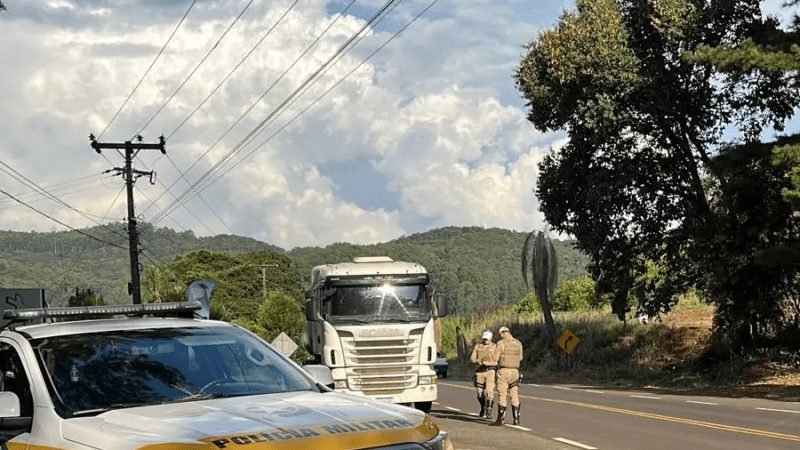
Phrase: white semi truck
[372,321]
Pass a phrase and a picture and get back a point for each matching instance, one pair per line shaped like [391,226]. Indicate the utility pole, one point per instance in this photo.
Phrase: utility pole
[130,176]
[264,275]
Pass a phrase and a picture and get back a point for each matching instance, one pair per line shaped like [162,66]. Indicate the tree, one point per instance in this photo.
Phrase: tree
[645,125]
[281,313]
[238,278]
[777,52]
[761,193]
[542,268]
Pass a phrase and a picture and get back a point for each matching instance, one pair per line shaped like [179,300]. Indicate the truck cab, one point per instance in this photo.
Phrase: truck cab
[372,322]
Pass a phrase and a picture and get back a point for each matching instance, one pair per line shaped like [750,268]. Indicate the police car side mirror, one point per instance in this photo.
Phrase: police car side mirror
[321,374]
[10,420]
[9,405]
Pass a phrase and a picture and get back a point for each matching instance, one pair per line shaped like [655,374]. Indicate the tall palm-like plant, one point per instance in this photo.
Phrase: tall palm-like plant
[540,264]
[2,6]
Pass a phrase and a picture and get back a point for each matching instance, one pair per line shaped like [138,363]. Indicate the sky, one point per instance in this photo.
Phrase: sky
[295,122]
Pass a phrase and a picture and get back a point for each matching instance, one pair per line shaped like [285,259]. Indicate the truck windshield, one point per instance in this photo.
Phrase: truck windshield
[93,373]
[384,303]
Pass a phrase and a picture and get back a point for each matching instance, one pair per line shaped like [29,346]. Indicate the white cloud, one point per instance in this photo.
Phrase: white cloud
[61,4]
[435,112]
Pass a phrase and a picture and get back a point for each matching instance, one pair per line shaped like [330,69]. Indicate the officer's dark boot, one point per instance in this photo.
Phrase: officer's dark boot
[501,416]
[487,409]
[515,414]
[483,405]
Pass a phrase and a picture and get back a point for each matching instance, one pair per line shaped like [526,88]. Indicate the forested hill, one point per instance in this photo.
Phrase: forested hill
[470,266]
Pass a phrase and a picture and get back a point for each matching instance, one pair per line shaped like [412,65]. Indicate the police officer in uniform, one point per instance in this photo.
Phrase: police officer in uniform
[482,356]
[508,355]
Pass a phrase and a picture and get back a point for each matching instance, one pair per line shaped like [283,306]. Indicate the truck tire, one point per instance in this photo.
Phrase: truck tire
[423,406]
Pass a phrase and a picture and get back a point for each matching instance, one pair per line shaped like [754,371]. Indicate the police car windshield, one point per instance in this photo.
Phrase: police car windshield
[384,303]
[95,372]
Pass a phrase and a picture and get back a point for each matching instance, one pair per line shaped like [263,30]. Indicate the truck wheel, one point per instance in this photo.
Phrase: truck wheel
[423,406]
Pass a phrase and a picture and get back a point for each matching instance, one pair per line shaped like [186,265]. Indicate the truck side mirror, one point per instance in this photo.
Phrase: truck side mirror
[441,306]
[311,315]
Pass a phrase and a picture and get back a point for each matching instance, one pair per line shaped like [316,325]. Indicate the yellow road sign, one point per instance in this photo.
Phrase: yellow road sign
[568,341]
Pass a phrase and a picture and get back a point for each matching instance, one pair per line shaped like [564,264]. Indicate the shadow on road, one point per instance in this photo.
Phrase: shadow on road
[459,416]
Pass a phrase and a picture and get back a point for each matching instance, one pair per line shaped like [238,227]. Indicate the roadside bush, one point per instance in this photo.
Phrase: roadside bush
[577,294]
[529,304]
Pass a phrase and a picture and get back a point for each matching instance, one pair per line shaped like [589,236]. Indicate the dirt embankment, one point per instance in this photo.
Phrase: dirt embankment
[687,337]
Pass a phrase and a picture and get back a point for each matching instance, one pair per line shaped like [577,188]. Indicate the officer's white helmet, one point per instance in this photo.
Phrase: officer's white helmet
[503,329]
[487,335]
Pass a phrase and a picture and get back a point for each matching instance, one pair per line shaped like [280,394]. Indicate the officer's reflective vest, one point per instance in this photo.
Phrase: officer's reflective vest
[483,353]
[510,351]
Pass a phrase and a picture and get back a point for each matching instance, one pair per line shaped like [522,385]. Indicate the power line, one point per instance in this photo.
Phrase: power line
[417,16]
[235,68]
[183,173]
[252,133]
[322,95]
[187,210]
[66,271]
[61,189]
[148,69]
[225,33]
[60,222]
[213,211]
[42,191]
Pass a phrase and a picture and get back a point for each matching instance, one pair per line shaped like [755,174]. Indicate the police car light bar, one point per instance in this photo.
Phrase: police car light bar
[87,312]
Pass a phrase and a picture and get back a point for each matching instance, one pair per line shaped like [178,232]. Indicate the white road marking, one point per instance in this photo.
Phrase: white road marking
[594,391]
[452,409]
[701,403]
[564,388]
[779,410]
[576,444]
[645,396]
[519,427]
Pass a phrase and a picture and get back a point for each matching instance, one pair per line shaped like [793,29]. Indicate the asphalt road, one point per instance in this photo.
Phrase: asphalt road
[586,417]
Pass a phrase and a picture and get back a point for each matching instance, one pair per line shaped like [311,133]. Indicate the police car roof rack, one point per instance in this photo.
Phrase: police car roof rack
[168,309]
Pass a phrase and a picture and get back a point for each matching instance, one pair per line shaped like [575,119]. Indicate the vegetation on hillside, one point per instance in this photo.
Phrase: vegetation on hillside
[62,261]
[471,267]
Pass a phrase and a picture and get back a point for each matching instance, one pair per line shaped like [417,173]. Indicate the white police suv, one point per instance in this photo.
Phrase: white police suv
[155,377]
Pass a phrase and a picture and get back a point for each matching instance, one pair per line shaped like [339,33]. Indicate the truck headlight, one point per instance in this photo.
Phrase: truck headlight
[440,442]
[427,380]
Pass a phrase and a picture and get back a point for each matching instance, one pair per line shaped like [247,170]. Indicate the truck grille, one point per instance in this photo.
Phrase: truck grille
[381,366]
